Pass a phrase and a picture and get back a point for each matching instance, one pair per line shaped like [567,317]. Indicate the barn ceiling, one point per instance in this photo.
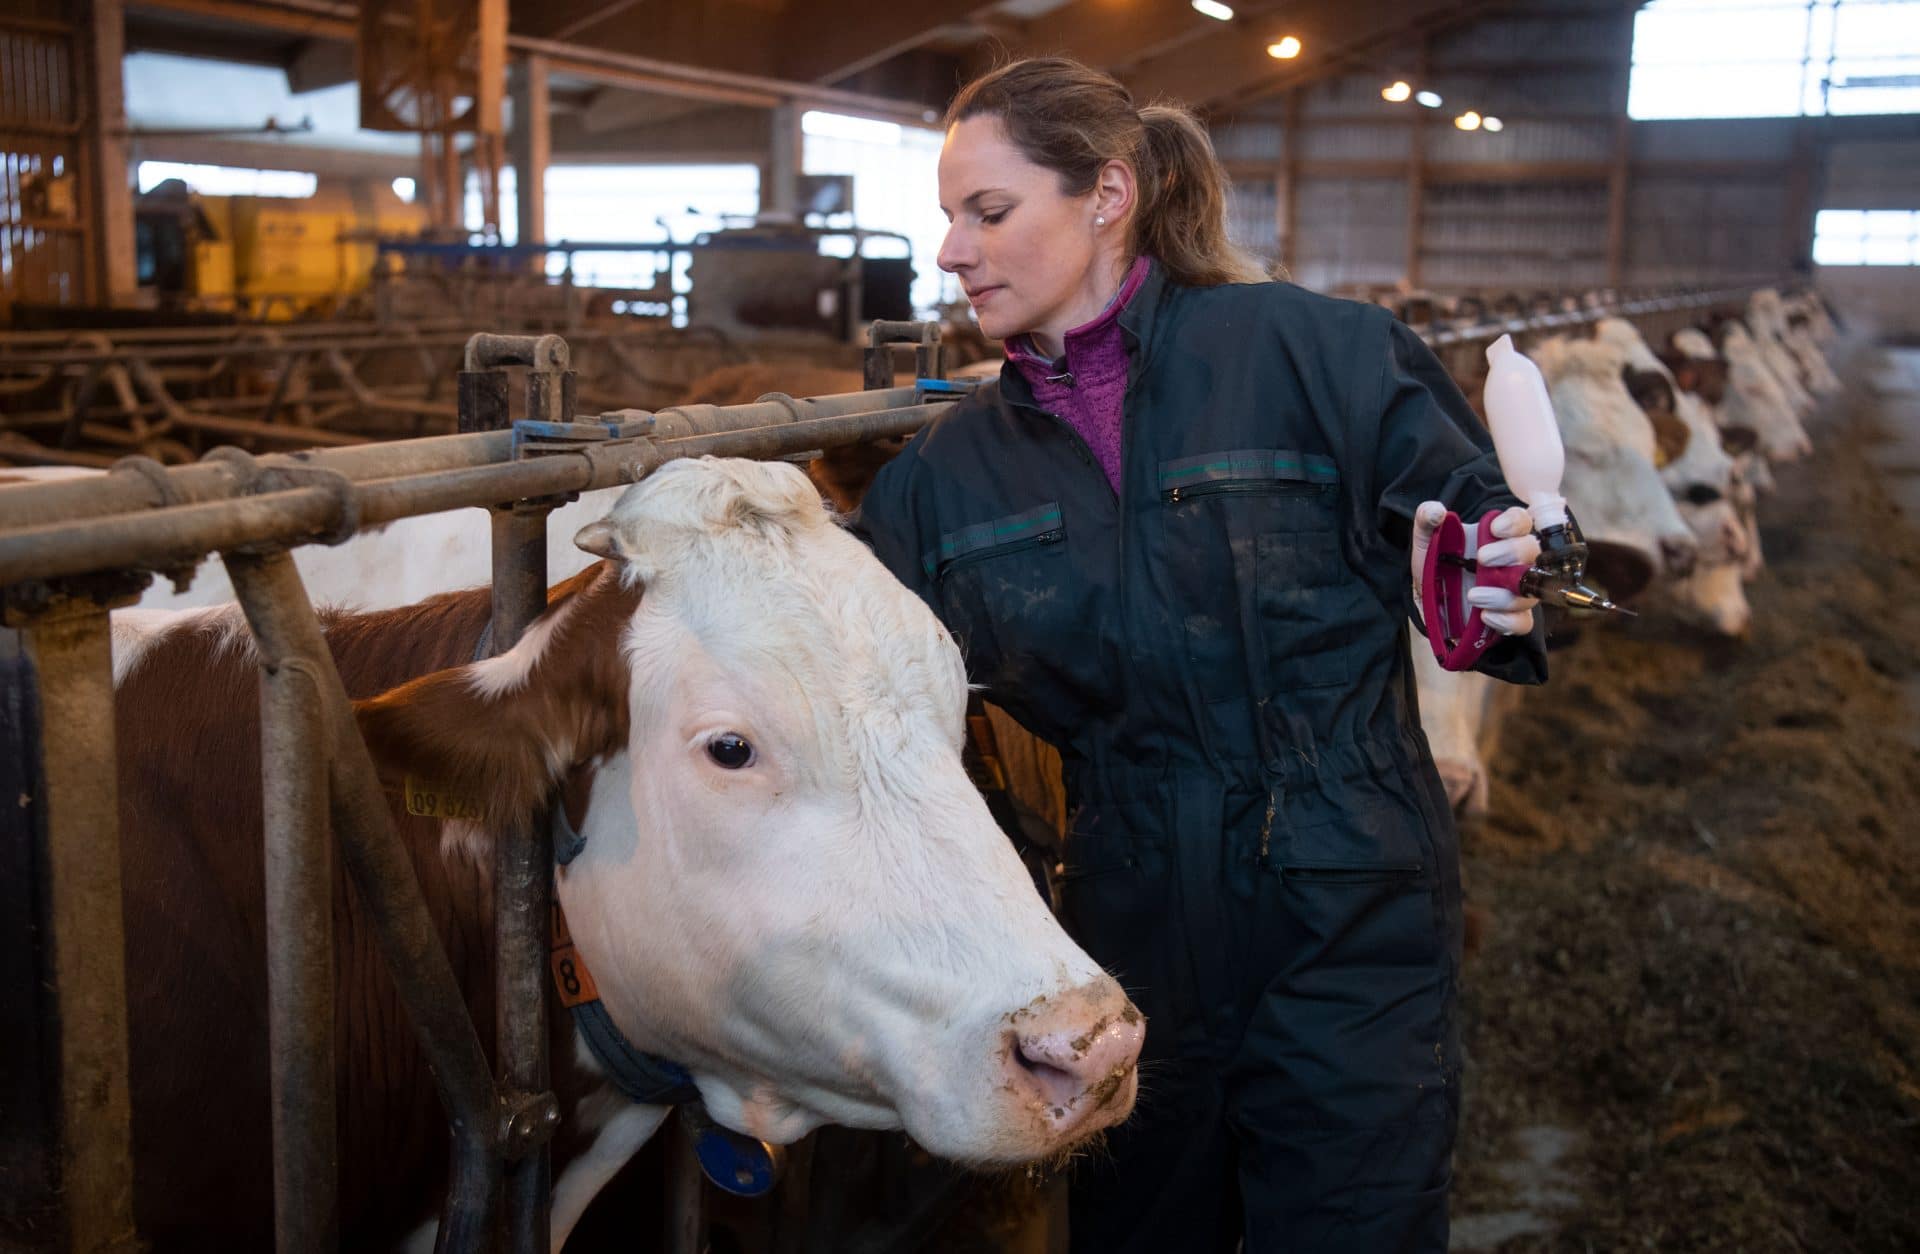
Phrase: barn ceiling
[915,51]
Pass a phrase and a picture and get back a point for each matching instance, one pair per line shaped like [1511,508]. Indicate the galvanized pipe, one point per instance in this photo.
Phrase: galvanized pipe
[31,505]
[1494,329]
[295,763]
[16,354]
[70,651]
[283,621]
[159,539]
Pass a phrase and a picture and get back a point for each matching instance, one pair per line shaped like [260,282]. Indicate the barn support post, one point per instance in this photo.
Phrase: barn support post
[284,626]
[77,1026]
[294,761]
[523,861]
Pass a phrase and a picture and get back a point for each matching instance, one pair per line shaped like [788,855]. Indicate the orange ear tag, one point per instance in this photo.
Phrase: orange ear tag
[570,974]
[428,800]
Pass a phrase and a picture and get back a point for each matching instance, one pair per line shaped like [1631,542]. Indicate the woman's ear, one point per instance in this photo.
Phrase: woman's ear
[1115,192]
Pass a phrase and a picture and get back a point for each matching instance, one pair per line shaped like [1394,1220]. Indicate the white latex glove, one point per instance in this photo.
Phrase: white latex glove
[1501,610]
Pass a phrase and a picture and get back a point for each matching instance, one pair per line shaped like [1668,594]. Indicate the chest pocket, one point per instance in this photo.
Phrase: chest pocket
[1006,591]
[1280,511]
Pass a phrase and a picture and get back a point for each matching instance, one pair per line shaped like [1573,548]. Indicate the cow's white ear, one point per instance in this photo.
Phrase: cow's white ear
[600,539]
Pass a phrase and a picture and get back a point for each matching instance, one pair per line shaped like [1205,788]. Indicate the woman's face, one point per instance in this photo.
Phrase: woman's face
[1029,256]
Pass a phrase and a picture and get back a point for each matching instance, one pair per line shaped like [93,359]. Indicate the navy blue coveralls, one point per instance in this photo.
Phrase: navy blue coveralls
[1262,851]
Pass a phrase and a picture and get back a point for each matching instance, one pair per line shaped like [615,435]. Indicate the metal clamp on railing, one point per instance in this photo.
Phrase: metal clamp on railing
[532,437]
[255,477]
[925,390]
[882,335]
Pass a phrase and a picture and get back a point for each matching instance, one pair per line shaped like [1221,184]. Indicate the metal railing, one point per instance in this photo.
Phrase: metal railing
[72,550]
[87,397]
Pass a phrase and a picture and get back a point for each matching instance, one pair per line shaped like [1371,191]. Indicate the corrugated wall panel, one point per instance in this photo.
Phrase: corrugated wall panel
[1873,174]
[1352,231]
[1338,142]
[1353,96]
[1523,141]
[1528,98]
[1513,235]
[1251,208]
[1740,139]
[1539,36]
[1686,229]
[1250,139]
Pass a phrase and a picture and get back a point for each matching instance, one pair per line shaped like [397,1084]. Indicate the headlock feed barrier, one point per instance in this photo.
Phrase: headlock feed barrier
[72,550]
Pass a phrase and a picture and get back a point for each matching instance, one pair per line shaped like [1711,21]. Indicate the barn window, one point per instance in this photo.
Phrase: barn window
[1866,237]
[893,169]
[227,180]
[1775,58]
[617,204]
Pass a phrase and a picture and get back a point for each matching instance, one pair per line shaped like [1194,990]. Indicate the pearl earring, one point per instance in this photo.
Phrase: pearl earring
[1099,220]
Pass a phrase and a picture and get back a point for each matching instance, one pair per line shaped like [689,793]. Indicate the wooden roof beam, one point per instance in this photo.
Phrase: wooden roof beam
[823,41]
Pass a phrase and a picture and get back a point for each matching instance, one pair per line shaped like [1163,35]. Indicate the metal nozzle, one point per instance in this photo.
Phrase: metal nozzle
[1580,597]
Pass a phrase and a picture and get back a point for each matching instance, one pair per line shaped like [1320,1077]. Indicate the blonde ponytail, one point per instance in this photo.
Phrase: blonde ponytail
[1073,119]
[1182,220]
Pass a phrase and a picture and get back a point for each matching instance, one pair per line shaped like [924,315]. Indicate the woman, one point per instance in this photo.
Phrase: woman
[1174,540]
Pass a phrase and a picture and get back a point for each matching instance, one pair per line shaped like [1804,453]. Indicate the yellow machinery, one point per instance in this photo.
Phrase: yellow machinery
[266,258]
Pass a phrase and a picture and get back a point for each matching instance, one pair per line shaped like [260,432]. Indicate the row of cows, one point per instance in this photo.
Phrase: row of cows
[798,715]
[1670,457]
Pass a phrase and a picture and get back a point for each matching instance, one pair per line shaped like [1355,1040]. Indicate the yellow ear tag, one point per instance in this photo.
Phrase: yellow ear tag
[429,800]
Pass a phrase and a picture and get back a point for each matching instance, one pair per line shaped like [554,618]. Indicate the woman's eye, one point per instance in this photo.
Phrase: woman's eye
[730,751]
[993,219]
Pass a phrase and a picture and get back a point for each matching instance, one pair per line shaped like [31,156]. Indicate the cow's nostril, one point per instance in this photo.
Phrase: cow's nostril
[1029,1058]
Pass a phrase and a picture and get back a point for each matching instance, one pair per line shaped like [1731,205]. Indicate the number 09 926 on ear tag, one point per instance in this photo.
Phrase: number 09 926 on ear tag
[428,800]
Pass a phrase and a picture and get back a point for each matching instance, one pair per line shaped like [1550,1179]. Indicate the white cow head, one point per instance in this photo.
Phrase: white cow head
[789,884]
[1703,481]
[1610,483]
[1753,397]
[1757,399]
[1713,597]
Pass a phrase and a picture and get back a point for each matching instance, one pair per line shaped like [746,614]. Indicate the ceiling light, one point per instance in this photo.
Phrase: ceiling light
[1491,124]
[1396,91]
[1431,99]
[1286,50]
[1468,121]
[1213,9]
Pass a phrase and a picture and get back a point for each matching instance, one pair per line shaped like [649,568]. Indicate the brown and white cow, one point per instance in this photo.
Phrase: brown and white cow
[788,885]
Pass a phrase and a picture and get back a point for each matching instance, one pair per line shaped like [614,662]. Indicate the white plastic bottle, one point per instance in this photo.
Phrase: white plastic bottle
[1525,436]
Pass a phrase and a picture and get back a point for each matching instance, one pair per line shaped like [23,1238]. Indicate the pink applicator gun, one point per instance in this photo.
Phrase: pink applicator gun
[1526,439]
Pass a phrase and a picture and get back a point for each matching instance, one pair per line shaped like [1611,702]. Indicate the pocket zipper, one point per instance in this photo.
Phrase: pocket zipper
[1271,487]
[1352,874]
[1001,550]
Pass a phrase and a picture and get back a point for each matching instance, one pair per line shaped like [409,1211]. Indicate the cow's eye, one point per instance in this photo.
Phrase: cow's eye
[1702,494]
[730,751]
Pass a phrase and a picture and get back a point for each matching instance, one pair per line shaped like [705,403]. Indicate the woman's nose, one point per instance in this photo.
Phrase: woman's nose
[955,252]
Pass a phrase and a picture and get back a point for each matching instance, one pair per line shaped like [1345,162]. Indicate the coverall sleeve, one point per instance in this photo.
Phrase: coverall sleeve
[889,521]
[1429,445]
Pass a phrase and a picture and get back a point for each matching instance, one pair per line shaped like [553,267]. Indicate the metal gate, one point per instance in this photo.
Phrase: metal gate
[43,233]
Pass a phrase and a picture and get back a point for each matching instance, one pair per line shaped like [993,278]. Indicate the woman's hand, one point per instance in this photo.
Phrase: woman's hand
[1501,610]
